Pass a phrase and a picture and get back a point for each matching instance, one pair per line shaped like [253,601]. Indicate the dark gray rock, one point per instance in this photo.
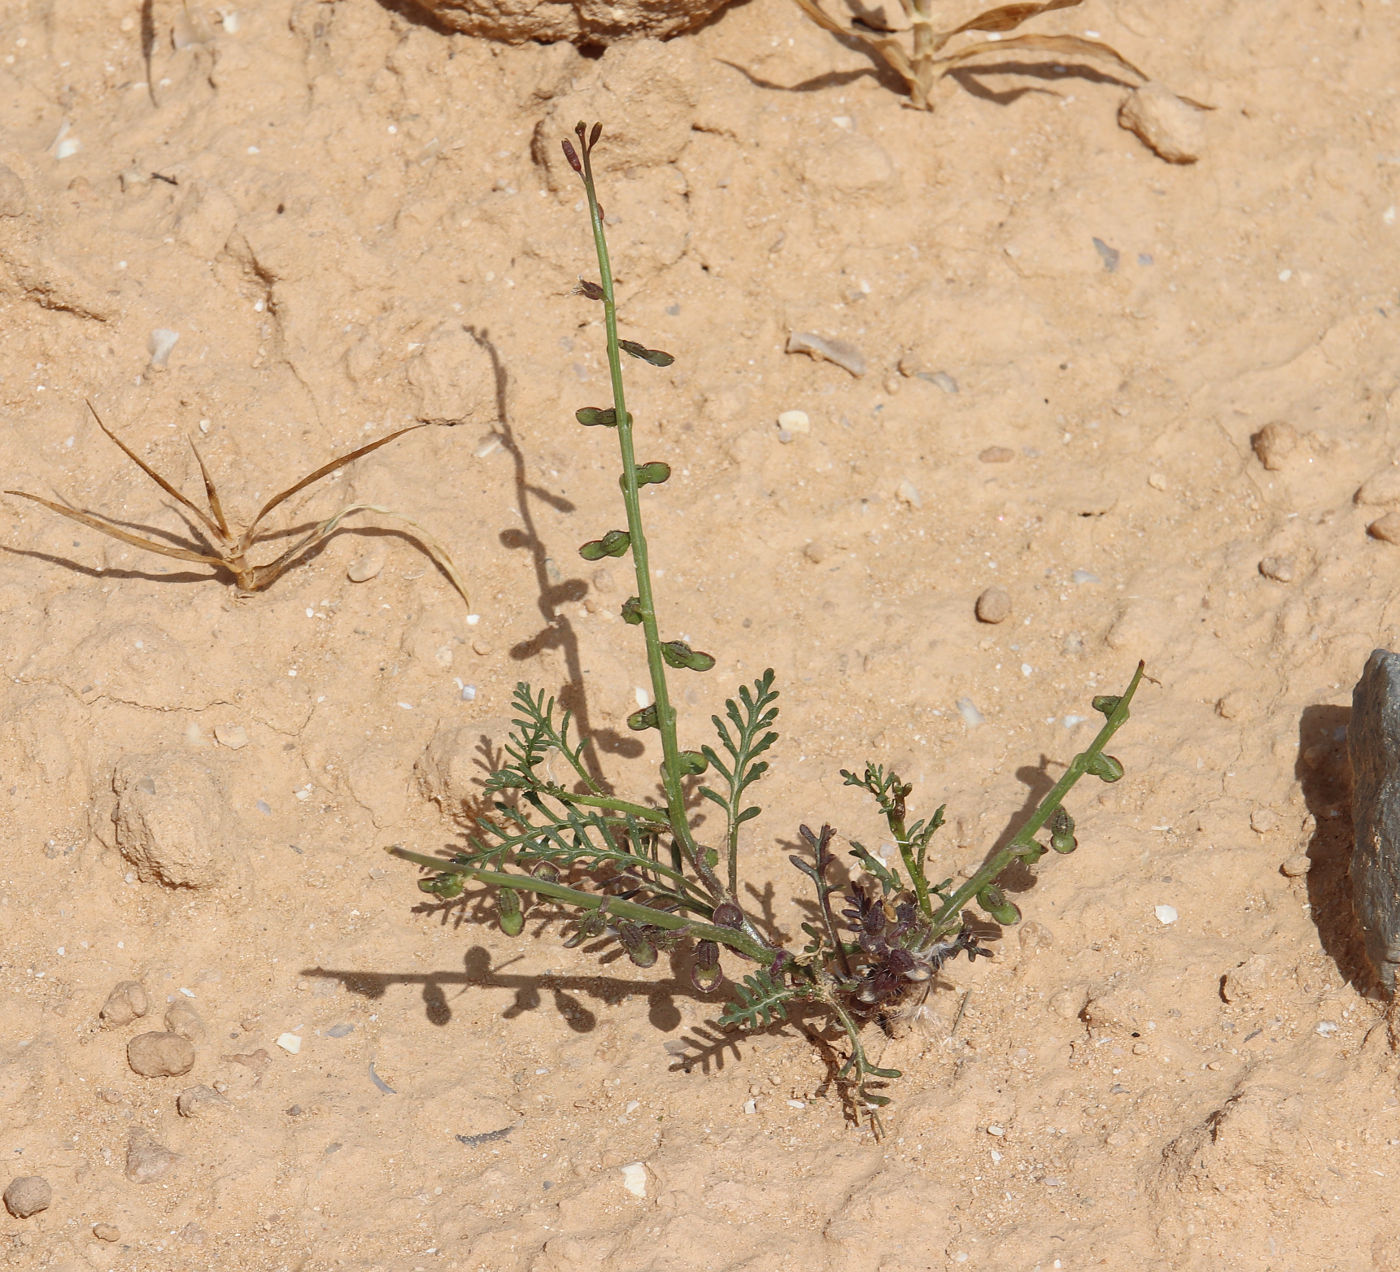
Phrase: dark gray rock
[1373,739]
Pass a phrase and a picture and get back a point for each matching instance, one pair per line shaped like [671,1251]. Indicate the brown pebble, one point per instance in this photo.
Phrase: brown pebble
[1386,528]
[997,455]
[1296,866]
[1278,568]
[160,1055]
[27,1195]
[201,1101]
[1174,129]
[816,552]
[125,1003]
[1381,489]
[106,1231]
[147,1161]
[994,606]
[1263,820]
[182,1019]
[1274,444]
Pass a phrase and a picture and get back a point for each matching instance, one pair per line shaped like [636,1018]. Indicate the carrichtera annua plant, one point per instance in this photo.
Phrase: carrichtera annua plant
[631,871]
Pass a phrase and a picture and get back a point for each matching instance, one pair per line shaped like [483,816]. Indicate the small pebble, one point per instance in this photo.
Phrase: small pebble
[968,710]
[1278,568]
[147,1161]
[993,606]
[942,379]
[816,552]
[1109,255]
[1165,913]
[366,566]
[1326,1028]
[1386,528]
[841,352]
[182,1019]
[233,736]
[28,1195]
[160,1055]
[1274,444]
[125,1003]
[1263,820]
[1084,576]
[996,1130]
[1157,481]
[997,455]
[634,1178]
[1296,866]
[106,1231]
[794,422]
[289,1042]
[908,493]
[201,1101]
[1249,979]
[1168,126]
[162,341]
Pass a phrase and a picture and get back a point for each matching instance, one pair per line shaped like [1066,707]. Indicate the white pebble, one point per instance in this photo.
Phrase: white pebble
[1327,1028]
[160,342]
[908,493]
[795,422]
[289,1042]
[996,1130]
[968,710]
[634,1178]
[1165,913]
[1084,576]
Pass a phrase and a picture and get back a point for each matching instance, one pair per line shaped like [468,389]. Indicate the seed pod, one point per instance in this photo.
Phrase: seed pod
[705,972]
[635,939]
[585,929]
[632,610]
[680,655]
[1107,703]
[652,474]
[572,156]
[1062,832]
[446,886]
[613,544]
[728,915]
[592,416]
[1106,767]
[993,900]
[512,916]
[643,719]
[589,289]
[655,356]
[693,763]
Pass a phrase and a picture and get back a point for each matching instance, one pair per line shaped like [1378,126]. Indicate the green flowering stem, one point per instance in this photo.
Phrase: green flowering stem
[736,939]
[1022,846]
[672,766]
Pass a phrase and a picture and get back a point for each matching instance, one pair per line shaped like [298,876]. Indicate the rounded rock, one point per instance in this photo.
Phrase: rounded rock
[106,1231]
[160,1055]
[993,606]
[1296,866]
[1274,444]
[1386,528]
[28,1195]
[1278,568]
[125,1003]
[582,21]
[182,1019]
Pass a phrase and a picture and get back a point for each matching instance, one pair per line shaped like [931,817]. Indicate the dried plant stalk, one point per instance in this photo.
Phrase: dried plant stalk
[229,548]
[926,63]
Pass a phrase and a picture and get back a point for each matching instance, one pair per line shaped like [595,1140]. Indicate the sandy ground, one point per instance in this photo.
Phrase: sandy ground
[354,221]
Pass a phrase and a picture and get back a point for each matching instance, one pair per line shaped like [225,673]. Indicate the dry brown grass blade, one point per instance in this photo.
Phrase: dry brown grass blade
[324,471]
[153,475]
[96,523]
[211,493]
[887,46]
[261,576]
[1071,44]
[1005,18]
